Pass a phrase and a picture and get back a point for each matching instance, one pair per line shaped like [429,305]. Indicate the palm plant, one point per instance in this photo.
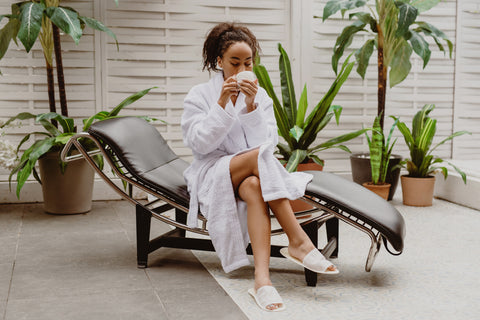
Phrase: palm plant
[43,20]
[391,27]
[423,162]
[380,151]
[299,132]
[54,139]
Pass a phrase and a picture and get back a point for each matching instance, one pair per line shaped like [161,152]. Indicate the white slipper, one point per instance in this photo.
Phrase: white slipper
[266,296]
[314,260]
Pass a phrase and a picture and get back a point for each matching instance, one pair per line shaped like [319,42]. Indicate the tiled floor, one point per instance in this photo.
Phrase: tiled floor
[84,267]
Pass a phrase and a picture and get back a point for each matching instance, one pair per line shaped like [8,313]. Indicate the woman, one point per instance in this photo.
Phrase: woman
[234,179]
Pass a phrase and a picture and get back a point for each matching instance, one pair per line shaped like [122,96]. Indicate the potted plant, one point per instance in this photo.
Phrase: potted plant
[380,151]
[297,129]
[43,20]
[392,28]
[417,186]
[54,176]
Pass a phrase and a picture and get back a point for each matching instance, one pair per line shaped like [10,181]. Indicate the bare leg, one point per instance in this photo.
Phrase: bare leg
[245,165]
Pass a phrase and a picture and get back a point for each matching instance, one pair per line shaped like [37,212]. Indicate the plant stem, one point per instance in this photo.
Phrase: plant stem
[60,75]
[382,78]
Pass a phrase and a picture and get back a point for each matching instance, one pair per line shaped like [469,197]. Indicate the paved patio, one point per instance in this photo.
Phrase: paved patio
[84,267]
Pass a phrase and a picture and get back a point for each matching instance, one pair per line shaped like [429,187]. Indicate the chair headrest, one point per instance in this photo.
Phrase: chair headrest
[137,143]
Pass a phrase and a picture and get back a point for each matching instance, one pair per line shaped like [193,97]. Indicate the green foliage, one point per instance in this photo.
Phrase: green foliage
[396,22]
[380,151]
[54,139]
[25,23]
[299,132]
[419,140]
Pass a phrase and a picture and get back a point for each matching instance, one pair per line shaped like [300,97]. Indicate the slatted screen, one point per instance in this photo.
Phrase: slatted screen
[467,80]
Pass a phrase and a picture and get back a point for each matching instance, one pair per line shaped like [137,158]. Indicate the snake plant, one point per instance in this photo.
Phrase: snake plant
[380,151]
[423,162]
[299,132]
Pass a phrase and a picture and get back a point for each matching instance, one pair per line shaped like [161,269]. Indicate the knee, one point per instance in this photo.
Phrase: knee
[250,189]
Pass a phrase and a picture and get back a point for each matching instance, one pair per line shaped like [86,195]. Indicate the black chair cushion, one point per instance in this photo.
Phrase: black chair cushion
[145,154]
[361,203]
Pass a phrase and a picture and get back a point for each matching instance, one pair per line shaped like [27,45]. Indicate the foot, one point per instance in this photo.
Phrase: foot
[299,252]
[267,298]
[260,283]
[312,260]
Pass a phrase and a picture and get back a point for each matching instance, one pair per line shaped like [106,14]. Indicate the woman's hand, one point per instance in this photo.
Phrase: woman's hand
[229,89]
[249,89]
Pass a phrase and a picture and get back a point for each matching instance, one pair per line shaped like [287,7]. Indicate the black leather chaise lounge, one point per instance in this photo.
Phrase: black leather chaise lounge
[141,157]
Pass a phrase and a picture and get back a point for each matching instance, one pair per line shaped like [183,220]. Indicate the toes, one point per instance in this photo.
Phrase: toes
[274,306]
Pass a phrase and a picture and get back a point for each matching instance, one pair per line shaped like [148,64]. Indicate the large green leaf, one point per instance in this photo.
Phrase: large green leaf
[436,34]
[296,158]
[420,119]
[344,40]
[280,115]
[66,20]
[131,99]
[450,137]
[7,33]
[29,159]
[424,5]
[20,116]
[407,16]
[400,65]
[337,140]
[97,25]
[288,90]
[363,55]
[376,150]
[420,46]
[31,23]
[296,132]
[302,107]
[333,6]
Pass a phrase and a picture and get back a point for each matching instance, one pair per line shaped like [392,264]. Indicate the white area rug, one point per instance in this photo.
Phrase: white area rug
[437,276]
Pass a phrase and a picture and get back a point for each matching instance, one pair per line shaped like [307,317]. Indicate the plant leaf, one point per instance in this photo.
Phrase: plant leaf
[333,6]
[296,157]
[407,16]
[400,65]
[302,107]
[67,21]
[424,5]
[344,40]
[131,99]
[296,132]
[31,22]
[7,33]
[363,57]
[288,90]
[420,46]
[280,115]
[97,25]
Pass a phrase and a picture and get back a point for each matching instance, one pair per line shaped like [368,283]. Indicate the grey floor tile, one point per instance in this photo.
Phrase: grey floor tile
[33,282]
[10,219]
[76,249]
[177,268]
[5,277]
[124,305]
[100,219]
[8,248]
[199,303]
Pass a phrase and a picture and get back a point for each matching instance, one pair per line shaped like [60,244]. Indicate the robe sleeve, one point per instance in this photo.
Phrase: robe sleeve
[260,125]
[205,127]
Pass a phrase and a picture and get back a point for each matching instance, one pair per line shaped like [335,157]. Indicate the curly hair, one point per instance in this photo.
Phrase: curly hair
[221,37]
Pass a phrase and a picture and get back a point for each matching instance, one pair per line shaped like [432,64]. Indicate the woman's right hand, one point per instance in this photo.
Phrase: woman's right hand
[229,89]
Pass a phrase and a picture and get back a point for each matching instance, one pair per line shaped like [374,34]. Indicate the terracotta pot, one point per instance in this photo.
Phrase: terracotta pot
[362,172]
[417,192]
[69,192]
[381,190]
[300,205]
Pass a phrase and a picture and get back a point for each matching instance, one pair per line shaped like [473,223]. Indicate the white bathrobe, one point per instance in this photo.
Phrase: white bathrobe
[215,135]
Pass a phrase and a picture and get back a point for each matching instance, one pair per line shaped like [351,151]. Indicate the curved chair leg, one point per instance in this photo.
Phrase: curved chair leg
[372,253]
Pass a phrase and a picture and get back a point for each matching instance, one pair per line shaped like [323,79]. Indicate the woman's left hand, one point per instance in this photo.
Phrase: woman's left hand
[249,89]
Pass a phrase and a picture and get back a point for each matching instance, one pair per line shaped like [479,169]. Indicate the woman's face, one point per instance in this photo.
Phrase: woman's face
[237,58]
